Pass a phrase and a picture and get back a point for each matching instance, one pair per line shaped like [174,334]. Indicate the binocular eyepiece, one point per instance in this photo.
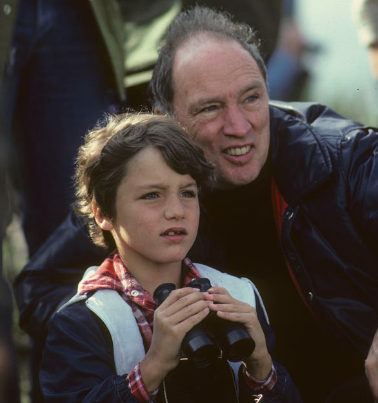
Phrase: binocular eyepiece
[213,336]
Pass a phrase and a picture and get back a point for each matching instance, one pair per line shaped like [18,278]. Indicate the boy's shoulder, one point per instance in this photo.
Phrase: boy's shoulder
[240,288]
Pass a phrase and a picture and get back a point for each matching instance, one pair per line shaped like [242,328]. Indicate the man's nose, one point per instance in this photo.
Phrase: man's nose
[174,208]
[236,122]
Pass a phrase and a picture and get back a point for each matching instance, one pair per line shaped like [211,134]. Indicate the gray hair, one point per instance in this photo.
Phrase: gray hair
[188,24]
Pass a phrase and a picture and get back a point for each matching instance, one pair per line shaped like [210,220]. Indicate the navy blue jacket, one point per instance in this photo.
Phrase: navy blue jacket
[326,170]
[78,364]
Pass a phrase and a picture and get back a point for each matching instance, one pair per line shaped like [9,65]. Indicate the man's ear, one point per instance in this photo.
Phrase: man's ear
[102,221]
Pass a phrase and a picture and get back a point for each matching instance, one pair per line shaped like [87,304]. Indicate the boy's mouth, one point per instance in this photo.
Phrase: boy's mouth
[175,231]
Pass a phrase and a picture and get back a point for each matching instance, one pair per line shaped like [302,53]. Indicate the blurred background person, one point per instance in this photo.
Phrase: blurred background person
[9,389]
[287,73]
[365,13]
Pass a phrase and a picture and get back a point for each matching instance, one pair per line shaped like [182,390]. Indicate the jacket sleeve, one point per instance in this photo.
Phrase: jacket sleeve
[51,276]
[360,157]
[284,389]
[78,364]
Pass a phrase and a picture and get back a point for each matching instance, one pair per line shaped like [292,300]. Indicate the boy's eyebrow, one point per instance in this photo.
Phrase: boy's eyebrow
[159,185]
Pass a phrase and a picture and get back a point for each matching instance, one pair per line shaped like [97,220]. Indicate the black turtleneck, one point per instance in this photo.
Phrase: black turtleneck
[243,219]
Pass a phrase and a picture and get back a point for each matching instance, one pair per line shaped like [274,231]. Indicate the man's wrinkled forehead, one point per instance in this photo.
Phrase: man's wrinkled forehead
[191,47]
[206,58]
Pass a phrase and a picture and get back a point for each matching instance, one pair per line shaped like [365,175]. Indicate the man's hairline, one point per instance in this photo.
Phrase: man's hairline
[217,36]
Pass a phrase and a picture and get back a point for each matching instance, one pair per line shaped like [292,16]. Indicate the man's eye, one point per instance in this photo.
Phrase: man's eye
[252,98]
[209,108]
[150,196]
[188,194]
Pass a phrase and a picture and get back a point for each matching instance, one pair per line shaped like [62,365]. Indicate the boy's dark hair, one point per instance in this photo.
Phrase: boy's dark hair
[102,162]
[187,25]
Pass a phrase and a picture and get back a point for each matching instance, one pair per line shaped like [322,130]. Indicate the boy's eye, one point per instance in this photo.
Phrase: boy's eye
[150,196]
[188,193]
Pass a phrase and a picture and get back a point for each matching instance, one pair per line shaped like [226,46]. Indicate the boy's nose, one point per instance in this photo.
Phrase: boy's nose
[174,209]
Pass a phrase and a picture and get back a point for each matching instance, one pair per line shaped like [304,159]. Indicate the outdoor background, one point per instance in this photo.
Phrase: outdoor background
[340,72]
[339,77]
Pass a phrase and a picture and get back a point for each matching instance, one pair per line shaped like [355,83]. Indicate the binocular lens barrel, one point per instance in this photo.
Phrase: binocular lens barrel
[205,341]
[239,345]
[161,293]
[199,347]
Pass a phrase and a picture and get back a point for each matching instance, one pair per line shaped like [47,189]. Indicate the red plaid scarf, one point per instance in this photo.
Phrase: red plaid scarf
[112,274]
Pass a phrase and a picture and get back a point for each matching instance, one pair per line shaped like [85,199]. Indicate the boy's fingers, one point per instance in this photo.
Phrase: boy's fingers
[193,320]
[179,299]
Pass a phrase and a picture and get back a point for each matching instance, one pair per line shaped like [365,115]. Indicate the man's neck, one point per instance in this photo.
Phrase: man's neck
[243,219]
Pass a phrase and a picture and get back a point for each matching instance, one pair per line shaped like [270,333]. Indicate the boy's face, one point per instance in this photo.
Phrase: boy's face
[157,212]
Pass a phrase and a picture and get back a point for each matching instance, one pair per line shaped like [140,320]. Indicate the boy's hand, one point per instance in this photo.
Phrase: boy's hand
[259,364]
[183,309]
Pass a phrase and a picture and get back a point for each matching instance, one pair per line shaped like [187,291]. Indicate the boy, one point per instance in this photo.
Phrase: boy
[138,180]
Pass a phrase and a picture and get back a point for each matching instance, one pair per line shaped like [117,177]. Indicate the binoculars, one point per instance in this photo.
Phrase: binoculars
[213,336]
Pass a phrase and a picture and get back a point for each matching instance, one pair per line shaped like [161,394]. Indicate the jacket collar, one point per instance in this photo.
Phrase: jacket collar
[300,158]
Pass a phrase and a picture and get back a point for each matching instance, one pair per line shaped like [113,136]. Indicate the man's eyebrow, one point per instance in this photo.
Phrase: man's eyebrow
[206,100]
[256,84]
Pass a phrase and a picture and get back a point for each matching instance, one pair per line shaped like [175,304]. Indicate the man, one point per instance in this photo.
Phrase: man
[302,166]
[371,367]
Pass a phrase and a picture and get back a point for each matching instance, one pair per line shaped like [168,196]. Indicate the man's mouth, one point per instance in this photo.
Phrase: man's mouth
[238,150]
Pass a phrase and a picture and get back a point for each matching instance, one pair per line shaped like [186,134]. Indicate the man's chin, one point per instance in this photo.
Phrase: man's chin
[233,181]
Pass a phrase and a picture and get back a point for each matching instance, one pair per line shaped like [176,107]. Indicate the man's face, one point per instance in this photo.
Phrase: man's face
[221,99]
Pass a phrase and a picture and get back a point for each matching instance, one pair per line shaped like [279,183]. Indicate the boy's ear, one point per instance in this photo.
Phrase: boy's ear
[102,221]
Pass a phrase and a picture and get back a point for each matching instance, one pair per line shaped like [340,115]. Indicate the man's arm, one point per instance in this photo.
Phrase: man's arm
[371,367]
[51,276]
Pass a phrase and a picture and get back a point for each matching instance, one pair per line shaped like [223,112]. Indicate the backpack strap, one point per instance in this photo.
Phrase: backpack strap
[118,316]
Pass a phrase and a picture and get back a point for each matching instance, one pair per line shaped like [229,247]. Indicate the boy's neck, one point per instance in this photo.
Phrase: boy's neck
[151,276]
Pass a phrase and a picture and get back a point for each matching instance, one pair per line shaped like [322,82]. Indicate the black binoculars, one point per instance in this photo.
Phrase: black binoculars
[213,336]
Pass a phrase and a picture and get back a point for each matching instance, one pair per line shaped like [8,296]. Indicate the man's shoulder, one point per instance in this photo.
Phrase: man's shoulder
[314,134]
[316,117]
[240,288]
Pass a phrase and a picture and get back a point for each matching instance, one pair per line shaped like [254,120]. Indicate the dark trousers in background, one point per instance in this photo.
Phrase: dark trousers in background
[57,85]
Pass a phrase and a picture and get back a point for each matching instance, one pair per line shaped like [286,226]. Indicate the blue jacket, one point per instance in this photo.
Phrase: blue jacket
[325,171]
[90,350]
